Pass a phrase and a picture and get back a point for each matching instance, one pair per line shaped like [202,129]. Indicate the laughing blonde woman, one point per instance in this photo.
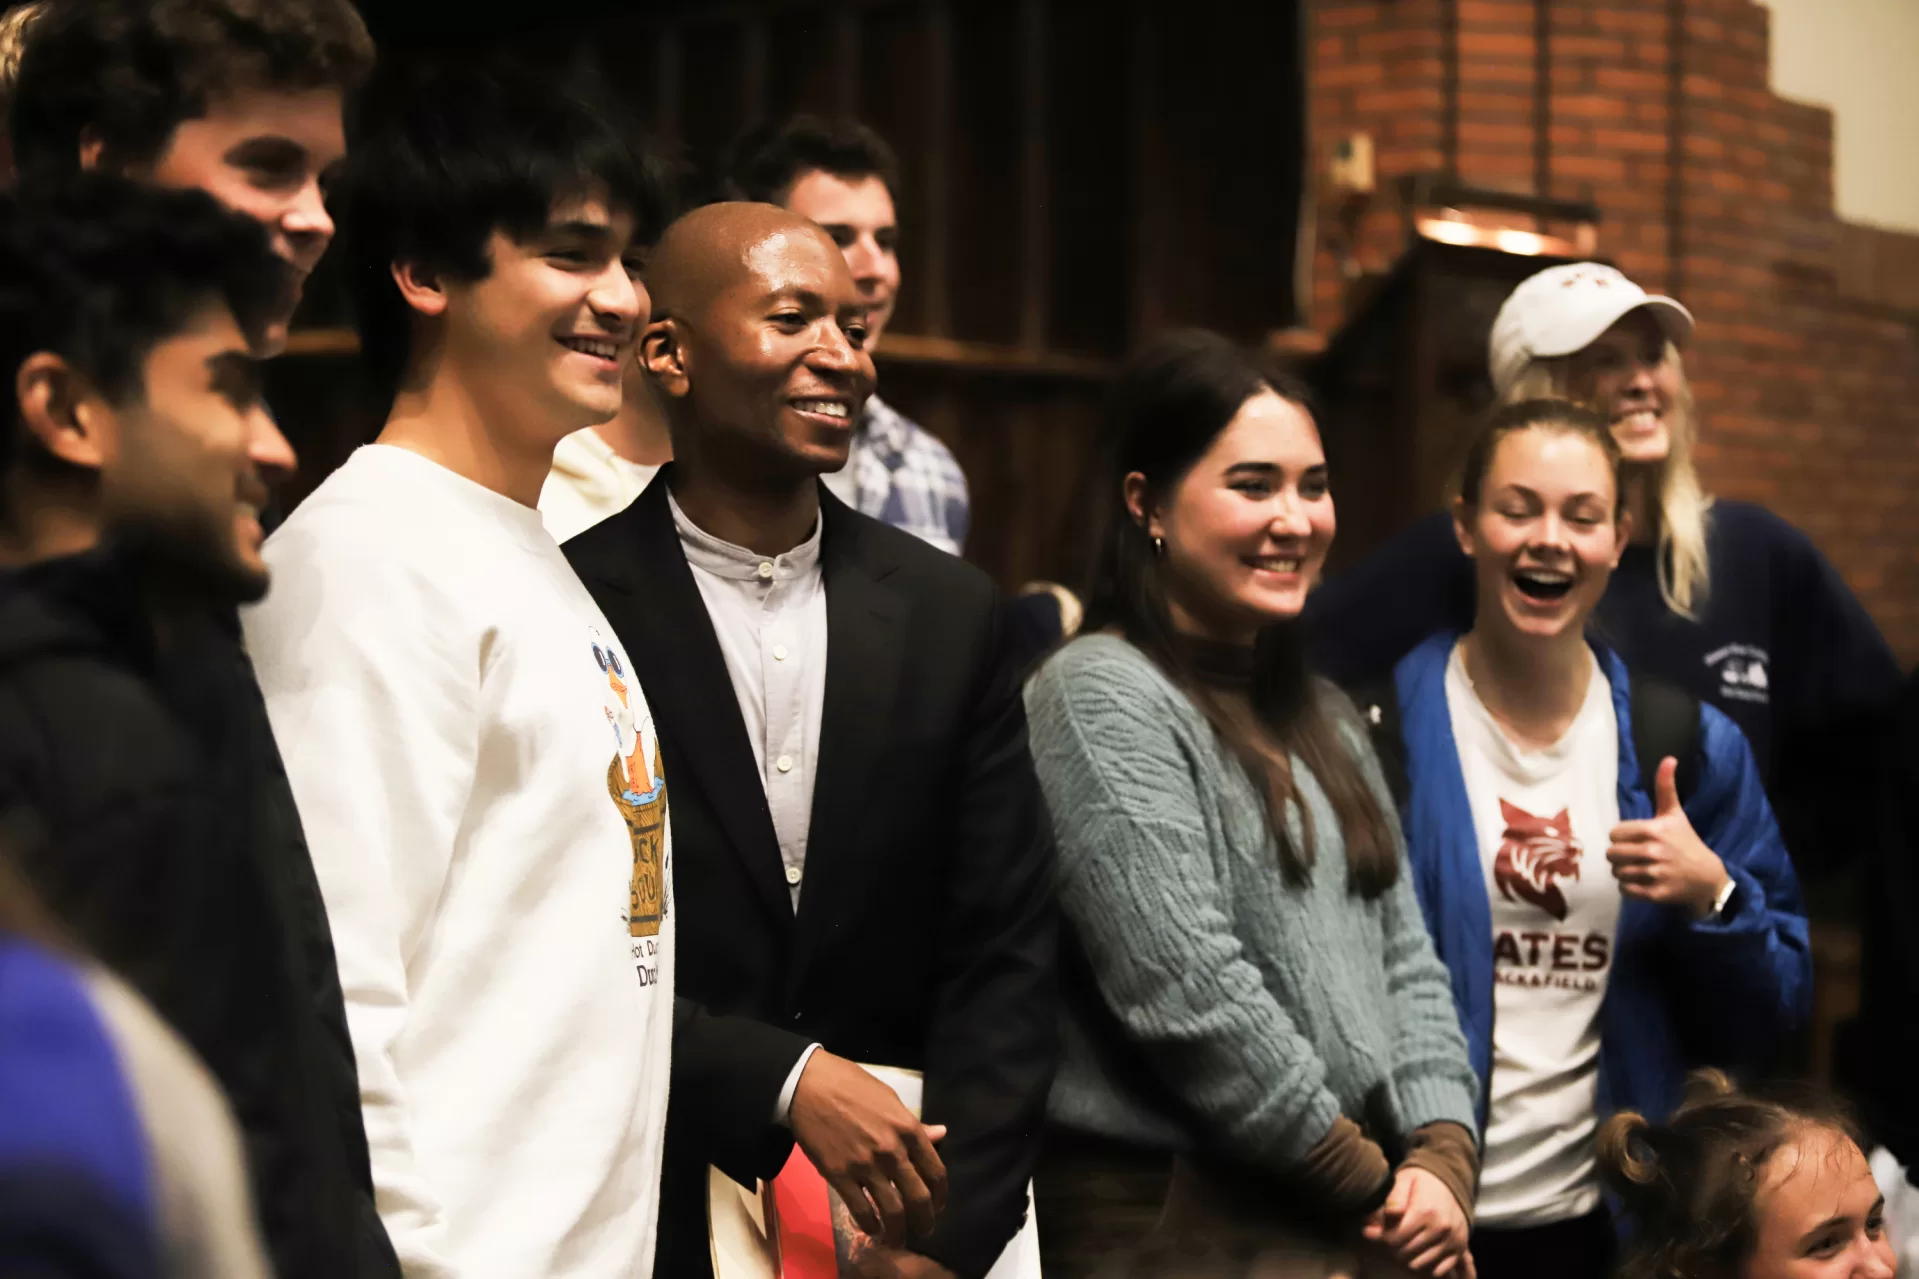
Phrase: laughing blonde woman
[1723,599]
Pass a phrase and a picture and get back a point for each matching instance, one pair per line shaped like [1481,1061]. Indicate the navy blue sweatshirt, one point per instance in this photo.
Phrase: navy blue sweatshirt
[1783,648]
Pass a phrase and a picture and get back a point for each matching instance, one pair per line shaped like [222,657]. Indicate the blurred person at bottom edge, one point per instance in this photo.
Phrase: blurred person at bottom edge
[119,1158]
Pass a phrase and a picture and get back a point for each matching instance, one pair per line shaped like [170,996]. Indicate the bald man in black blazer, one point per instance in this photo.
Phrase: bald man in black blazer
[904,916]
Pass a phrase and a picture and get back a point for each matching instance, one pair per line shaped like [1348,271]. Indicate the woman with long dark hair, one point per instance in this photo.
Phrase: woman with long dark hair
[1256,995]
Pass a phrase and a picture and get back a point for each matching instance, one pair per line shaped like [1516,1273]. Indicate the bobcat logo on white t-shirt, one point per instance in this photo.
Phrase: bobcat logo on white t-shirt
[1535,852]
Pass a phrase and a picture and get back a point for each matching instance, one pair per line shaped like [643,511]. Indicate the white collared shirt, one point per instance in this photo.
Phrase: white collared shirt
[769,614]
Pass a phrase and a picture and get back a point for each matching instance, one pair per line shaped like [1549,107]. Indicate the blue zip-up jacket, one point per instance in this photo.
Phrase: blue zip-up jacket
[1682,993]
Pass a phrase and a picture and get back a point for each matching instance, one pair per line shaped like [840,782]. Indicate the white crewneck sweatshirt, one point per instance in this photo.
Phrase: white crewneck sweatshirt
[485,803]
[589,482]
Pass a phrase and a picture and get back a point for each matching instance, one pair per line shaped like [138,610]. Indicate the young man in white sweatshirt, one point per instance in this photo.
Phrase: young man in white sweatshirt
[478,772]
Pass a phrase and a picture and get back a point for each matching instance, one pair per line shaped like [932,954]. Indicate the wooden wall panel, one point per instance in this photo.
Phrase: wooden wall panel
[1089,223]
[902,89]
[987,194]
[803,71]
[713,89]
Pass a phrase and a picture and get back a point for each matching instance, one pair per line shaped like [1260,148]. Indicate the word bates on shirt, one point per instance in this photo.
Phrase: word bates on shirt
[637,784]
[1535,854]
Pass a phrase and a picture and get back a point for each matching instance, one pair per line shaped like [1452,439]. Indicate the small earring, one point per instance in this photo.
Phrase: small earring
[1159,546]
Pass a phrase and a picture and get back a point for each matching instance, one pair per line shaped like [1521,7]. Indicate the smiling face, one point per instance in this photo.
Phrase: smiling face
[1626,374]
[1246,530]
[268,154]
[1821,1215]
[1543,533]
[858,213]
[769,367]
[193,457]
[542,340]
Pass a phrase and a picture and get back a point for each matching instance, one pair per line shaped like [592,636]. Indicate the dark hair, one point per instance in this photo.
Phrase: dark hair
[100,270]
[446,152]
[1537,415]
[1165,410]
[1690,1185]
[129,71]
[764,163]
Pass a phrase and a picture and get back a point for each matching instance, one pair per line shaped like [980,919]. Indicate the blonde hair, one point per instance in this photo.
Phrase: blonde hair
[1680,503]
[15,26]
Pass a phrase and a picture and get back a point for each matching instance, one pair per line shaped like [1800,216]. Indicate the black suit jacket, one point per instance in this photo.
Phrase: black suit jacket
[926,930]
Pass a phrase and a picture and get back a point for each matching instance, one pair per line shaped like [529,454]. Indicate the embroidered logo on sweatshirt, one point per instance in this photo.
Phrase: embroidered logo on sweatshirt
[638,788]
[1742,671]
[1535,852]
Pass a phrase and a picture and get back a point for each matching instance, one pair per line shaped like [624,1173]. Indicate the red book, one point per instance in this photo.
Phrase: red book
[801,1221]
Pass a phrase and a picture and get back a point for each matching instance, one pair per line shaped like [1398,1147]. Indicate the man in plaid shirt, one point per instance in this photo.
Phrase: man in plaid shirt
[842,175]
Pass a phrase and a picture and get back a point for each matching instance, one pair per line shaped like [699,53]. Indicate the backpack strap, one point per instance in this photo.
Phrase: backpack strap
[1665,721]
[1378,704]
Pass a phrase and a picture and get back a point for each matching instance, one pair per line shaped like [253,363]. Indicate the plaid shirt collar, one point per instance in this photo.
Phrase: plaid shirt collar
[887,432]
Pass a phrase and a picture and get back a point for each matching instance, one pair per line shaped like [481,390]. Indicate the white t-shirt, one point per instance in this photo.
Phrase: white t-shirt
[588,483]
[1544,819]
[483,794]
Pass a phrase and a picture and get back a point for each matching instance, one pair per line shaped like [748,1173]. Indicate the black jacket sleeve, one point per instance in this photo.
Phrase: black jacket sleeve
[146,854]
[1835,681]
[992,1043]
[1877,1048]
[101,825]
[727,1077]
[1365,617]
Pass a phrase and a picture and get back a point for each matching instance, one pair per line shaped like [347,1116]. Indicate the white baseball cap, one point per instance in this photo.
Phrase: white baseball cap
[1563,308]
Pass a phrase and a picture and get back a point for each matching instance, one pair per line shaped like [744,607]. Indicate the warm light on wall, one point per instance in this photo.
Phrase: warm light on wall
[1452,230]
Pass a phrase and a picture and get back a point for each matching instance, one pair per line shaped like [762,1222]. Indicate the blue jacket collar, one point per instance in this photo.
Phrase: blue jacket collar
[1445,861]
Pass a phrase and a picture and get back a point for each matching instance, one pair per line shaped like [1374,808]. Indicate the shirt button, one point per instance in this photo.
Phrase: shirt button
[792,874]
[784,763]
[779,652]
[766,568]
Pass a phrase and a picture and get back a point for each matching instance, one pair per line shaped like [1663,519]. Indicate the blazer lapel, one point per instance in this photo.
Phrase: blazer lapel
[865,637]
[654,604]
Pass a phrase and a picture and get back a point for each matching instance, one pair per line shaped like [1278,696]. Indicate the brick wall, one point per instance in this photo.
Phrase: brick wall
[1806,363]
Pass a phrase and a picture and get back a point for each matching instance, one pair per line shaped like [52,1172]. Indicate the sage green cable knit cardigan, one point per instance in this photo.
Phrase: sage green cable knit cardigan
[1265,1010]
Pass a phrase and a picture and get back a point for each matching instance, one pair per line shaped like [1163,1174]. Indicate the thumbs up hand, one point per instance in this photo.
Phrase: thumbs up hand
[1662,859]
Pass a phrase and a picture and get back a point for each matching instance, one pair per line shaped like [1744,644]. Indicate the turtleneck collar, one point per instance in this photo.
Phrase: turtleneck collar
[1218,664]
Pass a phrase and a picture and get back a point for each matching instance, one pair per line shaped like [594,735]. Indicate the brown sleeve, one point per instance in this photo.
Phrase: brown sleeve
[1448,1152]
[1348,1168]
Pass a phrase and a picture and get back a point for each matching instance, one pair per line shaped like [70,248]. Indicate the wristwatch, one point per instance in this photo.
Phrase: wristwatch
[1723,900]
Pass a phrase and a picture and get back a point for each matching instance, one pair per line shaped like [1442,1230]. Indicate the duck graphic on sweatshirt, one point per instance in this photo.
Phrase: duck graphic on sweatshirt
[637,785]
